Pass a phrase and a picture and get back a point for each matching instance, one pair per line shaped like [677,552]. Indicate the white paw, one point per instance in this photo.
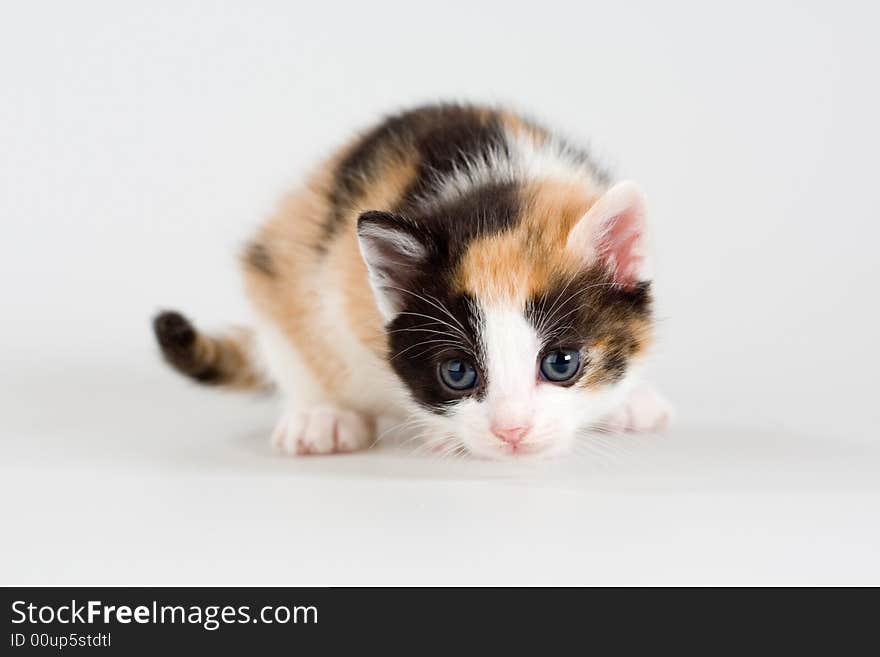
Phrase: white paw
[644,410]
[322,430]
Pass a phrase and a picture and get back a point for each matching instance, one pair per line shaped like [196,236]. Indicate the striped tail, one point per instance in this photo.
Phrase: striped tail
[224,360]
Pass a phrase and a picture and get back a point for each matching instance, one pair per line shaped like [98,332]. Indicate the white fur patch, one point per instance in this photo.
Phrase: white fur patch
[285,365]
[522,160]
[510,345]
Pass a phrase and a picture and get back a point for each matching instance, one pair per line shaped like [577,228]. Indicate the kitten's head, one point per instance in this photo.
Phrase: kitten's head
[514,315]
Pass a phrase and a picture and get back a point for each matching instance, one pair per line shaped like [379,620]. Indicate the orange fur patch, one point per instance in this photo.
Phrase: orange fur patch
[516,126]
[516,264]
[292,295]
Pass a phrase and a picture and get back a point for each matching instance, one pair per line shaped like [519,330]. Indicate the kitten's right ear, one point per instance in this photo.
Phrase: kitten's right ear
[395,251]
[613,232]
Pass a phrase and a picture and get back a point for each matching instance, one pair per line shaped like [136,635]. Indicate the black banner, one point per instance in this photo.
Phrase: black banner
[131,621]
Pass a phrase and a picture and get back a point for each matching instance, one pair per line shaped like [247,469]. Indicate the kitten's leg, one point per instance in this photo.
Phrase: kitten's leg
[643,410]
[312,423]
[323,429]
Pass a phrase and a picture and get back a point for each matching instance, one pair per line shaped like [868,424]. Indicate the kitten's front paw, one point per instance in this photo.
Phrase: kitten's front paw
[322,430]
[644,410]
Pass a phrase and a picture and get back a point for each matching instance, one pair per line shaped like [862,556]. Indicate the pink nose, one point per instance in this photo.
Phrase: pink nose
[512,435]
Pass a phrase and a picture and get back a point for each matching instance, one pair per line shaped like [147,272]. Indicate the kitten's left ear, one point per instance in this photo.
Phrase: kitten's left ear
[613,233]
[395,250]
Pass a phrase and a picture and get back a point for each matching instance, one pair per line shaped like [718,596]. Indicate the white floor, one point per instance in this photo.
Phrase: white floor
[130,476]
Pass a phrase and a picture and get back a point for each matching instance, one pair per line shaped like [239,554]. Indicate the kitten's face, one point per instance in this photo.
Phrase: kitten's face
[511,340]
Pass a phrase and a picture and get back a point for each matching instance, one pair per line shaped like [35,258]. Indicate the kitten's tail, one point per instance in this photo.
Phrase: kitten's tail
[223,360]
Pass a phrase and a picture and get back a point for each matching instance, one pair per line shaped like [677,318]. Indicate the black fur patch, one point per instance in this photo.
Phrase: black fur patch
[178,341]
[579,313]
[453,226]
[258,258]
[424,335]
[430,311]
[174,332]
[442,135]
[450,137]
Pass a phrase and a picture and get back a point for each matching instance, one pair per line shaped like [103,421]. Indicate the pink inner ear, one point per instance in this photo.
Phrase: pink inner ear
[620,246]
[613,233]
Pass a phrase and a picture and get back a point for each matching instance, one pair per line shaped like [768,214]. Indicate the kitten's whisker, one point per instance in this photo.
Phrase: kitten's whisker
[556,300]
[438,305]
[430,444]
[560,306]
[442,334]
[448,343]
[551,316]
[420,329]
[440,321]
[435,349]
[447,452]
[405,425]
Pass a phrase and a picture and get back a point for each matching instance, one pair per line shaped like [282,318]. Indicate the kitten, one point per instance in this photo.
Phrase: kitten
[459,267]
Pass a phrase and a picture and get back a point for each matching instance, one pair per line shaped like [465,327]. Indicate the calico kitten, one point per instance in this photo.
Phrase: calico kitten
[456,266]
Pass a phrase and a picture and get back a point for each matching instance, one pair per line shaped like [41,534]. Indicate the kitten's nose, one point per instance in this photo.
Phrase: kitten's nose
[511,435]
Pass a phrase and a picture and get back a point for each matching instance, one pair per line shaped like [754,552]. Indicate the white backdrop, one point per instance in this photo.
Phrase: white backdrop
[141,142]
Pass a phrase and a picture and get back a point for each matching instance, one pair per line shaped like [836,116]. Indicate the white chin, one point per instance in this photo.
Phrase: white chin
[504,452]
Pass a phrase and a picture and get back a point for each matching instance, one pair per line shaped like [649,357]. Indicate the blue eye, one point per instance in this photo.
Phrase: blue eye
[458,374]
[560,365]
